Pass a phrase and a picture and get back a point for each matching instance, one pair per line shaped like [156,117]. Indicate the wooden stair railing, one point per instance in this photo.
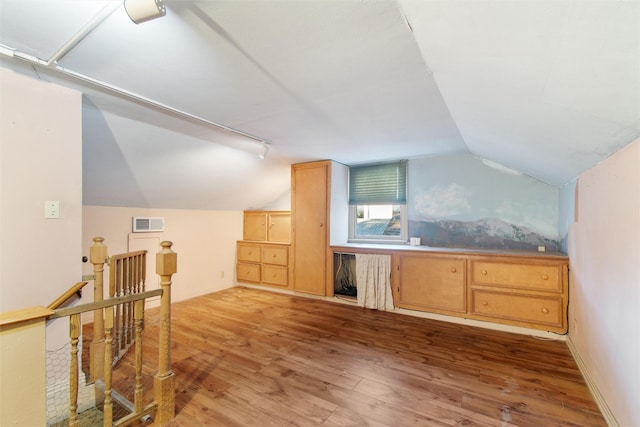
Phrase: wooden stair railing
[127,276]
[74,333]
[104,316]
[74,290]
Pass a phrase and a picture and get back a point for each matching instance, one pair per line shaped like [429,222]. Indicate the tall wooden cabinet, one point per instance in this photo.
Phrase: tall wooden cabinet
[310,204]
[319,217]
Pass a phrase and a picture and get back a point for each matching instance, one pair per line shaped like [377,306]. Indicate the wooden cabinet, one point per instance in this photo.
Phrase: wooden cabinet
[432,283]
[263,255]
[524,291]
[528,290]
[310,200]
[267,226]
[263,263]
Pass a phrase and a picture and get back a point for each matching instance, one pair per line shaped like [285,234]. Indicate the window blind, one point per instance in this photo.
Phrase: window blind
[378,184]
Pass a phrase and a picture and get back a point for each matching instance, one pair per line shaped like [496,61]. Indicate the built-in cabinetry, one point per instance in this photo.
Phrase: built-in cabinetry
[432,283]
[514,288]
[263,255]
[267,226]
[527,291]
[315,216]
[310,206]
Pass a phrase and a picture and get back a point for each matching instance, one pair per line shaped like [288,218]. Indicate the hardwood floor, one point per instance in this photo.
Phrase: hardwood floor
[246,357]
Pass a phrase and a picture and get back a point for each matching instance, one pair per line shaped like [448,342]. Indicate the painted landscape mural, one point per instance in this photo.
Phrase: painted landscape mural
[463,201]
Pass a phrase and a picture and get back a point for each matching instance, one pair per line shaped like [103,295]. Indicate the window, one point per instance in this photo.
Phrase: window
[378,200]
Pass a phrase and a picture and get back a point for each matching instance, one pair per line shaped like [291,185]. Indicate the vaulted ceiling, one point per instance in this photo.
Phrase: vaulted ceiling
[548,88]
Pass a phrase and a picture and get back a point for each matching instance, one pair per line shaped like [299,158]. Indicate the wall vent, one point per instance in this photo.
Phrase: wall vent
[146,224]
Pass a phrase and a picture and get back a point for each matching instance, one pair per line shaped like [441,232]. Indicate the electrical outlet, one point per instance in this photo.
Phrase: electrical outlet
[222,274]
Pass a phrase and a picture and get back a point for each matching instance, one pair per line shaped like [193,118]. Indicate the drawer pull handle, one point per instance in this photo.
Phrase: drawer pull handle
[545,310]
[545,277]
[484,272]
[453,269]
[485,303]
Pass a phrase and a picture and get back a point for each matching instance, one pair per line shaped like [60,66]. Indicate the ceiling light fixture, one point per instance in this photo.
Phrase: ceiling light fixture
[144,10]
[265,150]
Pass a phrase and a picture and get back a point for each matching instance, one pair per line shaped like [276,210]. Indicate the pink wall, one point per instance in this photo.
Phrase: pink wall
[604,248]
[40,159]
[205,242]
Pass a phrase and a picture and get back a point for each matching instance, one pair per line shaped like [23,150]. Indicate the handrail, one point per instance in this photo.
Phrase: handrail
[23,315]
[97,305]
[75,289]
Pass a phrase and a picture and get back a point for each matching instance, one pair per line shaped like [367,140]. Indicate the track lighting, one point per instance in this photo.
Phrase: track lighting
[265,150]
[144,10]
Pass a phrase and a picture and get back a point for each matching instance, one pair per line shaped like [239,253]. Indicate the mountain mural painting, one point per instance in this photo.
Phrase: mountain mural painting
[486,233]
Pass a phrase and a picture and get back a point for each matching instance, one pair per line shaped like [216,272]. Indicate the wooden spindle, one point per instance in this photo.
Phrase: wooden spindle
[139,390]
[98,256]
[108,363]
[74,334]
[164,381]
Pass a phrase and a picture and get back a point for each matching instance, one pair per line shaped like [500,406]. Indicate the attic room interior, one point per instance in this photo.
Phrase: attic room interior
[496,282]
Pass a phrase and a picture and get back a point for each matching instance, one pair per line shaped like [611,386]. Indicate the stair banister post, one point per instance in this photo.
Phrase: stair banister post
[98,256]
[164,381]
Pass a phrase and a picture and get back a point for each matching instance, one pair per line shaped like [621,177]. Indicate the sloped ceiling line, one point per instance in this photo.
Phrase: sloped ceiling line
[86,29]
[122,92]
[545,88]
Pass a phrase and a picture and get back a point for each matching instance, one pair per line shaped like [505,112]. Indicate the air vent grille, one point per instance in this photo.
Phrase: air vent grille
[146,224]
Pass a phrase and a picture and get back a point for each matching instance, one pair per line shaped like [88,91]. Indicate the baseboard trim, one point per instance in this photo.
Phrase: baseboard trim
[593,388]
[415,313]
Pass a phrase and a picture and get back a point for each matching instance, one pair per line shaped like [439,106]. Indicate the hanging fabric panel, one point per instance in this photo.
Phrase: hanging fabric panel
[373,279]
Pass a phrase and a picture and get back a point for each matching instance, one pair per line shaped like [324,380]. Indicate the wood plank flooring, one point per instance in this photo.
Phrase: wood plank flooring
[247,357]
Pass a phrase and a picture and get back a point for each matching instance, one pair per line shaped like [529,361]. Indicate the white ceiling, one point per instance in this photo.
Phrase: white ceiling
[548,88]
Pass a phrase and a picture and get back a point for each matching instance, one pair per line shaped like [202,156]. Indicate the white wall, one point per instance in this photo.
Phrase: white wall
[604,249]
[205,242]
[40,159]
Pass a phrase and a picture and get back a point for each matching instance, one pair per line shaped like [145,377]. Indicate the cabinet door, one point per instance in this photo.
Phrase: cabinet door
[432,283]
[309,210]
[279,227]
[255,226]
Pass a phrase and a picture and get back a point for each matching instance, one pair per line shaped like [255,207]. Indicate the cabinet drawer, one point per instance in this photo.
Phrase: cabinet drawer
[249,252]
[278,255]
[275,275]
[248,272]
[522,276]
[517,307]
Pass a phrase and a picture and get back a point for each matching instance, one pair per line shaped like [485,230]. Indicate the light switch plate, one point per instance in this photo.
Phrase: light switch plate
[52,209]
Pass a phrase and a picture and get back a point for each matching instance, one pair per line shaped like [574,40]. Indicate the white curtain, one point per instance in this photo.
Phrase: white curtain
[373,280]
